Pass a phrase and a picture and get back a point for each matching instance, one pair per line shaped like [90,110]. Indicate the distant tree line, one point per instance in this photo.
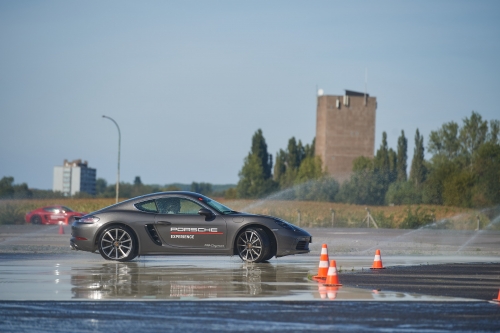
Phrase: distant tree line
[9,190]
[128,190]
[464,170]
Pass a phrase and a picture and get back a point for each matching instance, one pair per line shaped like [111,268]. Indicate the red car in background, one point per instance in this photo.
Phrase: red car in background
[52,215]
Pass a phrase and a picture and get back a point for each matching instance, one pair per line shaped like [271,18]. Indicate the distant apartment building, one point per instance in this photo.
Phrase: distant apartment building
[345,130]
[74,176]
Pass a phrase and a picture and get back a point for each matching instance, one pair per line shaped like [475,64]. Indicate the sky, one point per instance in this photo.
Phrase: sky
[189,82]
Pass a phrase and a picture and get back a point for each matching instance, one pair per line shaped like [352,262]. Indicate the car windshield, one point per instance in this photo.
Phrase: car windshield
[217,206]
[66,209]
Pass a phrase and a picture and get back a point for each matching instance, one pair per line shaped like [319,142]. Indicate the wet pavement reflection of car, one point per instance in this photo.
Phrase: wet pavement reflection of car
[136,281]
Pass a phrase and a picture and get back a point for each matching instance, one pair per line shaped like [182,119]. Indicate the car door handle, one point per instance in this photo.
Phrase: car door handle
[164,222]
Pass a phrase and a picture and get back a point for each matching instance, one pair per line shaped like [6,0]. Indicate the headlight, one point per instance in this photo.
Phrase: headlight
[285,225]
[89,219]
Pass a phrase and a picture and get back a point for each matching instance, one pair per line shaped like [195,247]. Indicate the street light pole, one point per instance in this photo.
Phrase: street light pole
[118,172]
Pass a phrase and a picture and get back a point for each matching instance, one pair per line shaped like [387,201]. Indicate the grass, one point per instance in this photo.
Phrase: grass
[319,214]
[311,213]
[13,211]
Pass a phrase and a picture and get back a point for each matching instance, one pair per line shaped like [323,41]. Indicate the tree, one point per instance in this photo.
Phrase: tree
[402,157]
[494,131]
[259,149]
[445,141]
[382,156]
[418,170]
[438,172]
[384,172]
[309,150]
[393,166]
[100,186]
[486,190]
[362,163]
[255,176]
[21,191]
[137,181]
[202,188]
[310,169]
[365,186]
[457,189]
[172,188]
[402,193]
[321,189]
[6,188]
[293,155]
[280,166]
[9,190]
[472,135]
[252,183]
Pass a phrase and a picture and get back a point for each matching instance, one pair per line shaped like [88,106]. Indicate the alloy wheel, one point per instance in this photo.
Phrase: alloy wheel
[116,244]
[36,220]
[250,245]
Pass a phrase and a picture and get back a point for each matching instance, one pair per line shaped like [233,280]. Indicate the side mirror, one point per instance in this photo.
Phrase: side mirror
[205,212]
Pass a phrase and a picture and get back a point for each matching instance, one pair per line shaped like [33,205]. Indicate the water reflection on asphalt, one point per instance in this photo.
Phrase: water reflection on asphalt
[163,281]
[88,277]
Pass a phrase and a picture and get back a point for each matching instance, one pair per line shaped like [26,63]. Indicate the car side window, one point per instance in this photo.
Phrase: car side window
[175,205]
[51,209]
[147,206]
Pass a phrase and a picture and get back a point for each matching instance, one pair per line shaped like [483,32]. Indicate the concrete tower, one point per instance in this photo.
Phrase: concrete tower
[345,130]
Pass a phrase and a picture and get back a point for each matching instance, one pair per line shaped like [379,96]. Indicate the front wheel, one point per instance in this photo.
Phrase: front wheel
[253,245]
[36,219]
[117,243]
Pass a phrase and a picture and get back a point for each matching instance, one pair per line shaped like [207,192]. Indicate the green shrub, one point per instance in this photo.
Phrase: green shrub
[416,219]
[11,214]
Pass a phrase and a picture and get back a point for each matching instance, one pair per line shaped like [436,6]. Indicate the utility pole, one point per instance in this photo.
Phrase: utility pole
[119,143]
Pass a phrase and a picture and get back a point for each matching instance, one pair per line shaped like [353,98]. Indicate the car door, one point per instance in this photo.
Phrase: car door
[179,225]
[55,215]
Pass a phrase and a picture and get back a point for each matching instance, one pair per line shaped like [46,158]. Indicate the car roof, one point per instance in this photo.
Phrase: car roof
[169,193]
[129,203]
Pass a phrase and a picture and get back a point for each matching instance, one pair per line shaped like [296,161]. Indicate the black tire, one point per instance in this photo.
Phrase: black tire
[36,219]
[118,243]
[253,245]
[269,256]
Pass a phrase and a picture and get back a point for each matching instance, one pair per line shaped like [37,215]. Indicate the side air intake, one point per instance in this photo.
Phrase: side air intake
[150,228]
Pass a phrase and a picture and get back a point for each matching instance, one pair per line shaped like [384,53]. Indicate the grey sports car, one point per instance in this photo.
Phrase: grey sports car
[173,223]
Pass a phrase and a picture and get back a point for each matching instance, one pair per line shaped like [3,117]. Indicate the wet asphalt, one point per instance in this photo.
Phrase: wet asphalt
[253,316]
[467,280]
[434,281]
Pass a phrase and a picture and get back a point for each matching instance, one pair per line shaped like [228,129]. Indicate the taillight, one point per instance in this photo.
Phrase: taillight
[89,219]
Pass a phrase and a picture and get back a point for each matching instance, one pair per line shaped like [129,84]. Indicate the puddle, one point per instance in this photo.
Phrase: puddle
[88,277]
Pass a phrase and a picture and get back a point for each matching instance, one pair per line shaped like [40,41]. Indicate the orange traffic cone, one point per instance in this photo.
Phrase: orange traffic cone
[377,262]
[498,297]
[332,279]
[61,229]
[322,291]
[332,292]
[323,264]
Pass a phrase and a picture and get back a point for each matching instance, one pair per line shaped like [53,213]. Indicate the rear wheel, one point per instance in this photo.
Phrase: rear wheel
[117,243]
[36,219]
[253,245]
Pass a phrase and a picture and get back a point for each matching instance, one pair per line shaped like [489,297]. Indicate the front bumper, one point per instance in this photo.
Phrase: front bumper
[293,242]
